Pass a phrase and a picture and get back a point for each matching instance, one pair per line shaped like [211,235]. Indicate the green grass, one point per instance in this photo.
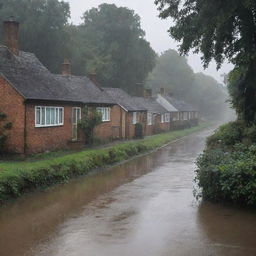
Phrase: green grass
[19,177]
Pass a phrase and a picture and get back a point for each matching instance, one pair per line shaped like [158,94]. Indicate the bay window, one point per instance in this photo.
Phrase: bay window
[49,116]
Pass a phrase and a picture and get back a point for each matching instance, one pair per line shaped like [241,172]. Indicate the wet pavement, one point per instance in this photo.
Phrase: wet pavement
[142,207]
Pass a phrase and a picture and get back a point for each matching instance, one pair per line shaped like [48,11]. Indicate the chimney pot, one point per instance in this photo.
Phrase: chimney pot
[93,76]
[66,68]
[11,33]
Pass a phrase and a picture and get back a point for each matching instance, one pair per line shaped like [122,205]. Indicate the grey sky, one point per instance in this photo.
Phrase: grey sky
[156,29]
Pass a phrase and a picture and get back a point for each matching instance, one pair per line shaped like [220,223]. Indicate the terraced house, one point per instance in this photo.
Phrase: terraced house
[45,108]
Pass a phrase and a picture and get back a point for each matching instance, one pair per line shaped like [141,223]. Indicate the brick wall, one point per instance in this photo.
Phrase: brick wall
[41,139]
[130,130]
[112,128]
[12,104]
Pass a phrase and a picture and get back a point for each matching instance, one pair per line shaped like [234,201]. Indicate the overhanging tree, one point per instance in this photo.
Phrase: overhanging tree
[219,29]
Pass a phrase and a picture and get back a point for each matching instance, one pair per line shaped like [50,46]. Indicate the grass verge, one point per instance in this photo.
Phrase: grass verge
[17,178]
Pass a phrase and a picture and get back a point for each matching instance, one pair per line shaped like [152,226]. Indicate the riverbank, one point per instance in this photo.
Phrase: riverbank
[17,178]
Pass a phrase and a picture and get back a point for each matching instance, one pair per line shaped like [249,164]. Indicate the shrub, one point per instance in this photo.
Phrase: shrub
[90,119]
[228,176]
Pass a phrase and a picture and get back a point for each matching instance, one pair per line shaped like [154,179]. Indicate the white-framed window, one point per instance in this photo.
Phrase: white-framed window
[105,113]
[185,116]
[134,117]
[162,118]
[49,116]
[196,114]
[149,118]
[167,117]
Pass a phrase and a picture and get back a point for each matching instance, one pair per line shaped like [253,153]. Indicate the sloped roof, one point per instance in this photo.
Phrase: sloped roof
[35,82]
[124,100]
[179,104]
[165,103]
[151,104]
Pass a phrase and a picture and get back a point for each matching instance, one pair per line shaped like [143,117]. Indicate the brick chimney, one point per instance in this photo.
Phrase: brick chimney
[162,91]
[66,68]
[11,33]
[93,76]
[147,93]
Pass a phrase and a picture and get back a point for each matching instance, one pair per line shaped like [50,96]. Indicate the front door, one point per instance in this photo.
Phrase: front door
[76,117]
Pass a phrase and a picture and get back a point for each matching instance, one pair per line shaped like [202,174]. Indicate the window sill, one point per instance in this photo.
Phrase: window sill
[48,126]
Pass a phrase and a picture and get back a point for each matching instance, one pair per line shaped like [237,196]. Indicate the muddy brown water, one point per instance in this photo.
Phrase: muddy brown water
[142,207]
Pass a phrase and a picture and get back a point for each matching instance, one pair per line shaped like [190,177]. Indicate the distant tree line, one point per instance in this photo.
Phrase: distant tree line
[109,39]
[223,29]
[173,73]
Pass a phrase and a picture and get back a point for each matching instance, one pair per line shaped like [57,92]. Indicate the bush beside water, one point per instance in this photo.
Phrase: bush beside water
[17,178]
[227,168]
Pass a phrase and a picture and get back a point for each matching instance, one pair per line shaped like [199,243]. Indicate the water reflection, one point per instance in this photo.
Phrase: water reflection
[34,217]
[142,207]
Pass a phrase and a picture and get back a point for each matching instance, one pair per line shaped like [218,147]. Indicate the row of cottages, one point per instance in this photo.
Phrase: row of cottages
[45,108]
[182,114]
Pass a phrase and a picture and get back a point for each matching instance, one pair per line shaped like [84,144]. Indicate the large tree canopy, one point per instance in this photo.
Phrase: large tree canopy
[219,29]
[42,29]
[112,41]
[173,73]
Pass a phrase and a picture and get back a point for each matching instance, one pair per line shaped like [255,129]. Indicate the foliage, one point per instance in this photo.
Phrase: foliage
[226,169]
[228,176]
[17,178]
[228,135]
[42,29]
[174,74]
[219,29]
[5,126]
[112,41]
[138,131]
[90,119]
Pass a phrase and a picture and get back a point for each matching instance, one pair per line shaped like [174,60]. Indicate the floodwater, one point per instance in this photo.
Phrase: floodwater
[144,207]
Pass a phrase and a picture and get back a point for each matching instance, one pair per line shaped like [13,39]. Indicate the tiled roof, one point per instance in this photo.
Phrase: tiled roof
[151,105]
[165,103]
[124,99]
[35,82]
[179,104]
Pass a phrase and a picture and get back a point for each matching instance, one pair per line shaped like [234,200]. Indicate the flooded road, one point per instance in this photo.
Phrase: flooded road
[144,207]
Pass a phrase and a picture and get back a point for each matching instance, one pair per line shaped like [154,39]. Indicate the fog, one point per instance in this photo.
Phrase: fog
[155,28]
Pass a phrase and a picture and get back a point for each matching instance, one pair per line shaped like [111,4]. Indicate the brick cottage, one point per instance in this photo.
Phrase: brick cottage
[44,108]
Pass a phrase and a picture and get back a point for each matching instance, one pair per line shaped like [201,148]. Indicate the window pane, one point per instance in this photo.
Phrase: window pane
[60,115]
[38,115]
[57,115]
[53,115]
[48,116]
[43,116]
[78,114]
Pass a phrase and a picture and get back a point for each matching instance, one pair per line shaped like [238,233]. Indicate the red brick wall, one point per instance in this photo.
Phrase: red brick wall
[41,139]
[111,129]
[12,104]
[130,130]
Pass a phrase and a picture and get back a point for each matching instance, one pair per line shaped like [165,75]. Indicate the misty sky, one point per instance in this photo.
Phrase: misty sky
[156,29]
